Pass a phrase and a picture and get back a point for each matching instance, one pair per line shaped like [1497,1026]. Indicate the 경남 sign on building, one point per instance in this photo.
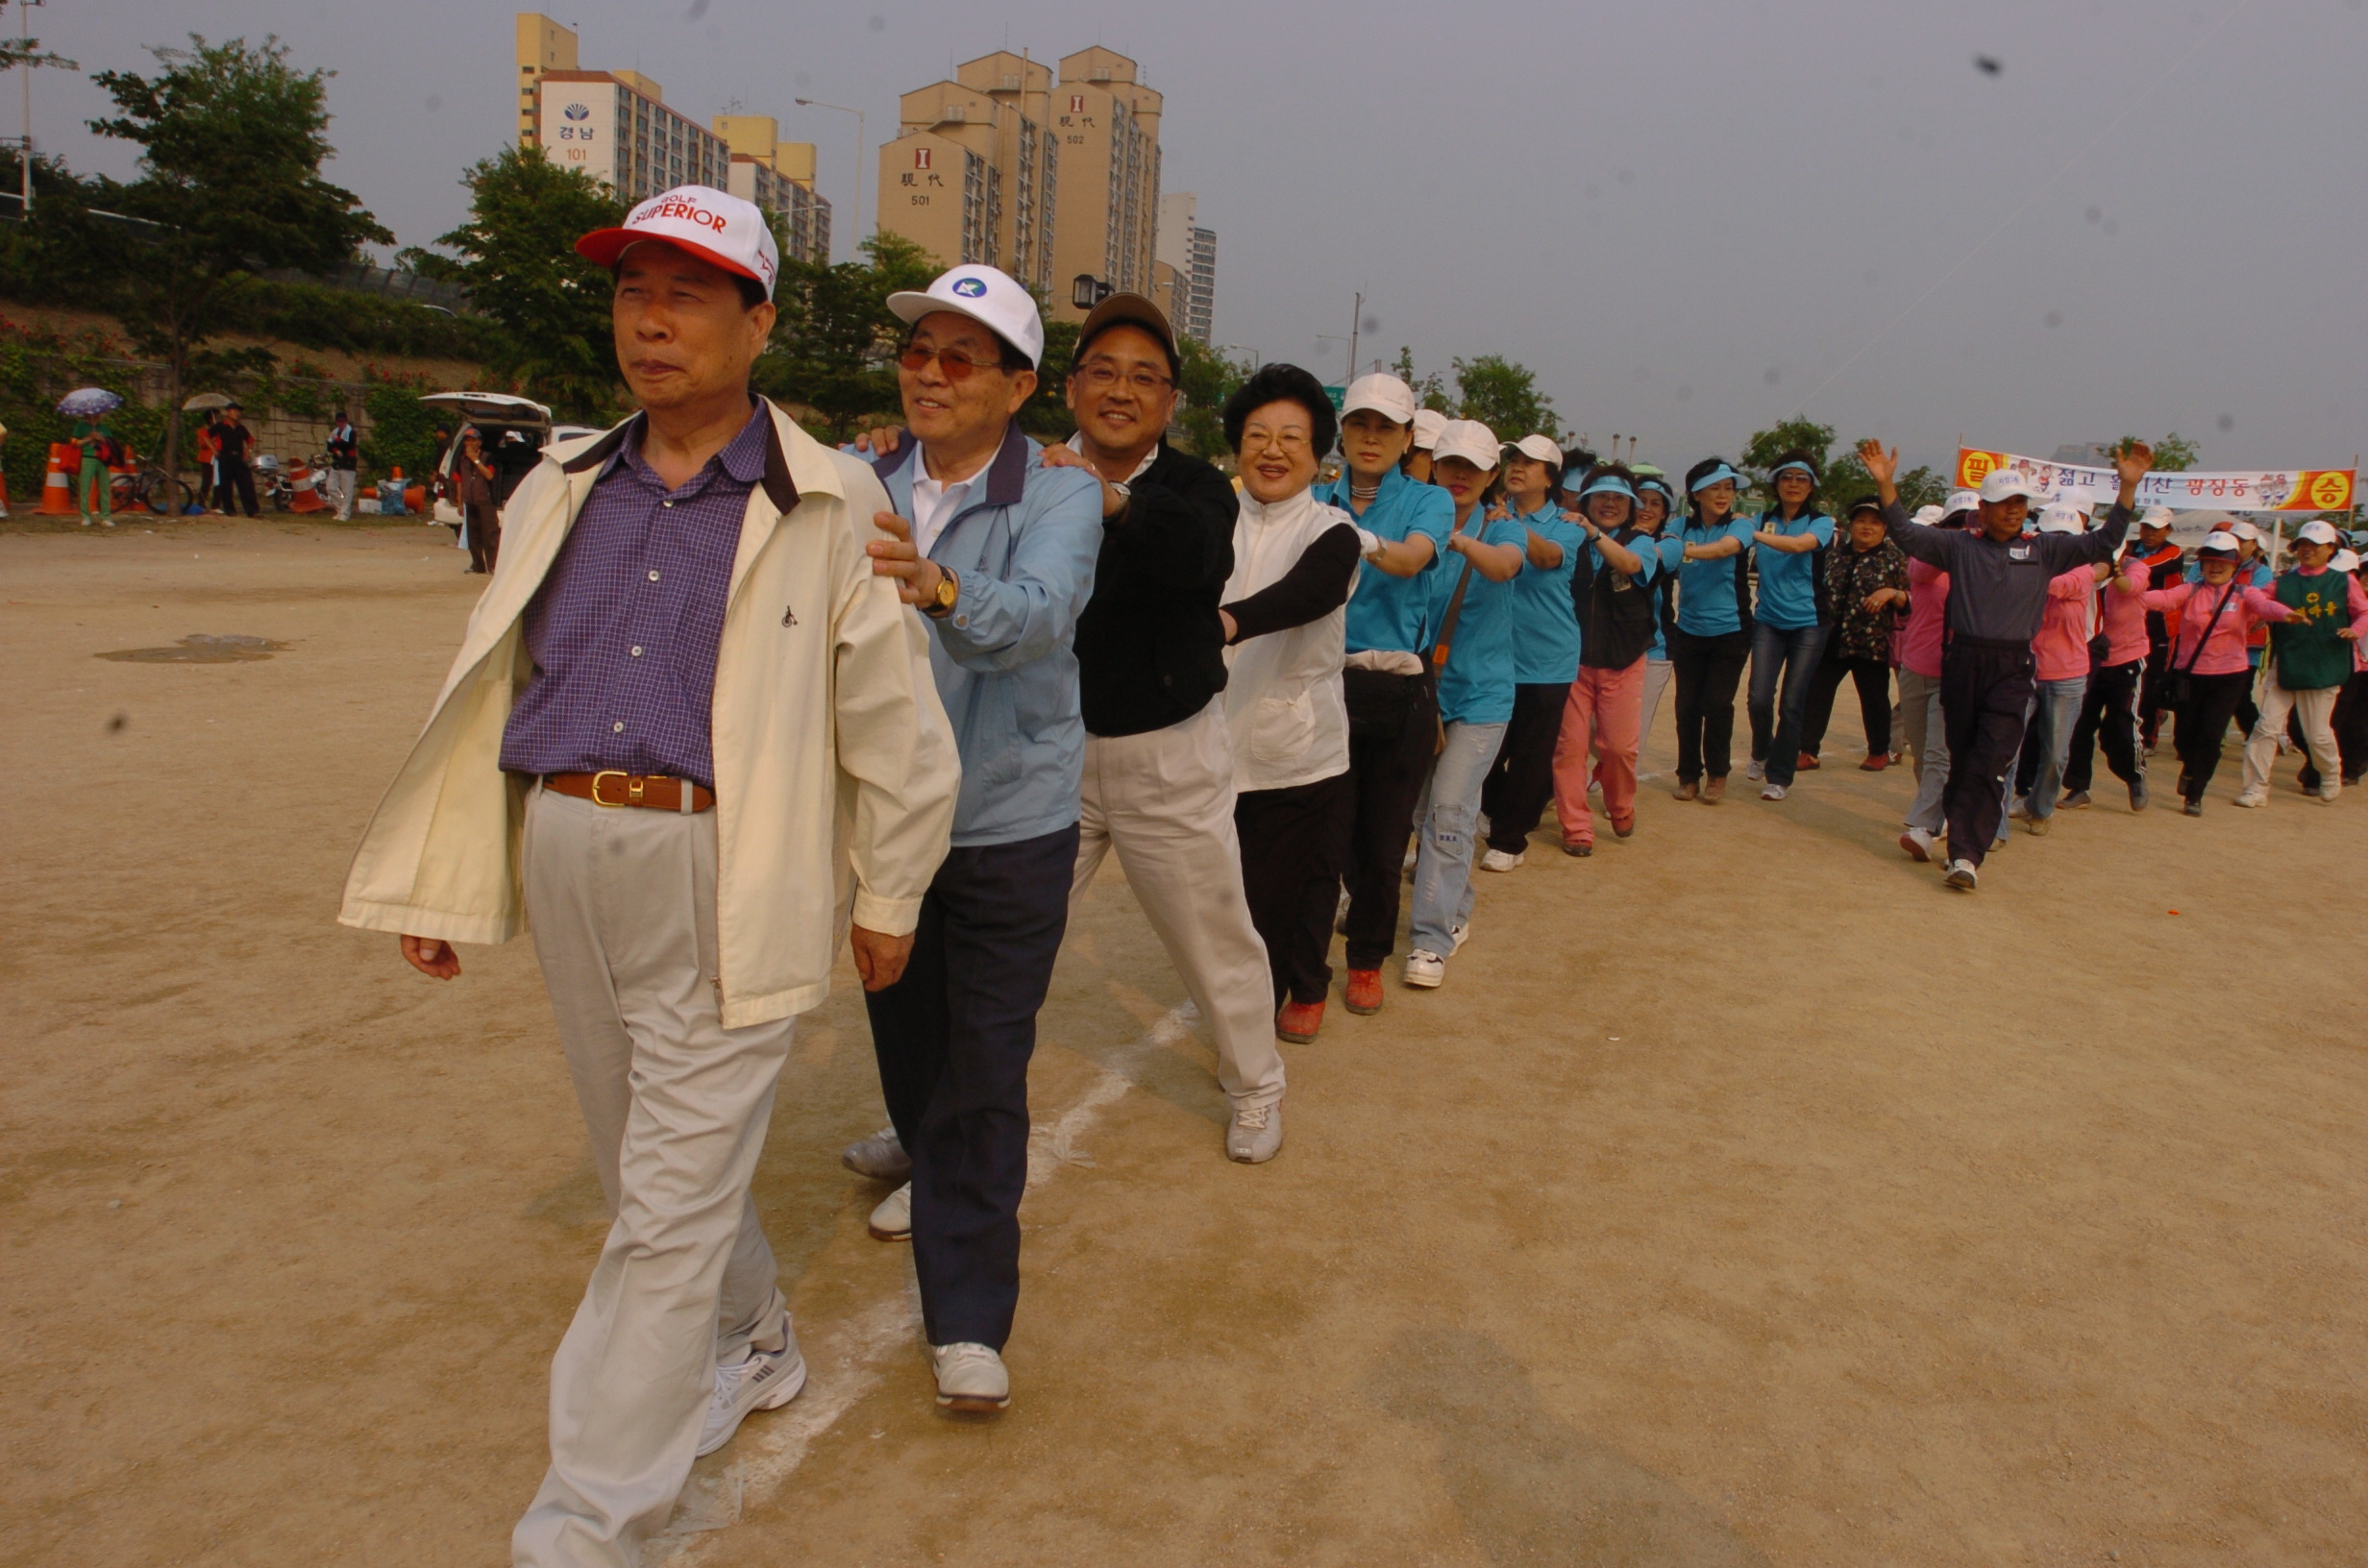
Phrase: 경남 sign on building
[2250,490]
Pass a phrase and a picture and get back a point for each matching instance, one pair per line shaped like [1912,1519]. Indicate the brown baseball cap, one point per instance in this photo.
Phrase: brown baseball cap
[1127,311]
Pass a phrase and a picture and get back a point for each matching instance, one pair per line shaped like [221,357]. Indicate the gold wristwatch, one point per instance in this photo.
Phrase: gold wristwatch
[949,589]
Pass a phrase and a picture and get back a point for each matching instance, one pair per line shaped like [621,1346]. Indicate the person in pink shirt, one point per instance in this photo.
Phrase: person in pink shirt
[2311,659]
[1920,733]
[2109,717]
[2059,676]
[2211,619]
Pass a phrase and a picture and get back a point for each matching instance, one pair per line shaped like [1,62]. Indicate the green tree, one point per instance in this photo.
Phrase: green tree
[518,262]
[831,348]
[231,139]
[1430,391]
[2174,453]
[1503,396]
[1045,413]
[1209,379]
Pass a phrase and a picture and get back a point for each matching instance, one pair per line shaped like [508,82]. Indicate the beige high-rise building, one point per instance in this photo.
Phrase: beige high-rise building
[1046,176]
[778,176]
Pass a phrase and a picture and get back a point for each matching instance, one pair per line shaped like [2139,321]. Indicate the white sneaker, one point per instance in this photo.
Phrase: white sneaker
[1457,936]
[881,1157]
[1755,770]
[1774,791]
[1426,971]
[1496,860]
[893,1219]
[2250,798]
[1256,1135]
[766,1379]
[2018,808]
[1963,874]
[1918,843]
[970,1377]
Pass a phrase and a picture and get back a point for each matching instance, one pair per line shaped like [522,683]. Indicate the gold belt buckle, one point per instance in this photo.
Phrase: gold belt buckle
[633,788]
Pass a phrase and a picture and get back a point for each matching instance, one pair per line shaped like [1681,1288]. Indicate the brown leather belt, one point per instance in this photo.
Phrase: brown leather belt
[614,787]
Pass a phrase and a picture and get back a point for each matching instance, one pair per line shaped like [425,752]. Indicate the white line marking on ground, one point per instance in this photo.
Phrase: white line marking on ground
[846,1365]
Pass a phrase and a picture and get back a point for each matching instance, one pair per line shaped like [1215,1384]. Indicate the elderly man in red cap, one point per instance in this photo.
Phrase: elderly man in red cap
[693,734]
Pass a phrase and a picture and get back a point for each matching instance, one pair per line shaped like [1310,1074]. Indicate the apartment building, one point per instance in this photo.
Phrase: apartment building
[1185,266]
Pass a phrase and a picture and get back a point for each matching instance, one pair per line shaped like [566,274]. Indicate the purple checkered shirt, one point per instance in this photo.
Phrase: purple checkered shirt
[623,631]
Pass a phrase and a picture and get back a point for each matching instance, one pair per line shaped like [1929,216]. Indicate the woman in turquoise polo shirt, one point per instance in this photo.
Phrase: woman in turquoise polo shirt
[1545,652]
[1473,654]
[1790,621]
[1711,638]
[1656,505]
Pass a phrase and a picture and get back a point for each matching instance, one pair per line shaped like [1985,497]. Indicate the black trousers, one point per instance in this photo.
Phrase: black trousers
[1386,779]
[236,474]
[953,1036]
[2108,718]
[1873,679]
[1985,692]
[1705,670]
[2153,691]
[1293,843]
[2202,724]
[2351,725]
[1518,788]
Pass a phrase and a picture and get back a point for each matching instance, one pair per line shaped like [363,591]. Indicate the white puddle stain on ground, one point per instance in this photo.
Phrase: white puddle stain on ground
[845,1364]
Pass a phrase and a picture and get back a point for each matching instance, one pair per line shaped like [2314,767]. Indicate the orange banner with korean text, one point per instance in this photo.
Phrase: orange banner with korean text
[2249,490]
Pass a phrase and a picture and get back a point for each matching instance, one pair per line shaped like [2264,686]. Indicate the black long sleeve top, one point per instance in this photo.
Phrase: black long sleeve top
[1149,646]
[1317,584]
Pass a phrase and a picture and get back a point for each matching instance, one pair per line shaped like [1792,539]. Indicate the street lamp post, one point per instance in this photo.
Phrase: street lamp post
[857,242]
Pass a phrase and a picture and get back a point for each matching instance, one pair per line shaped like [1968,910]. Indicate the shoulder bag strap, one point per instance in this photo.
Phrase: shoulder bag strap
[2218,610]
[1446,623]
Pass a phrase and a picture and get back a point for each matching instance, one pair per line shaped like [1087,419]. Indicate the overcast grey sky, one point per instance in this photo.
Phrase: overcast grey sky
[1691,219]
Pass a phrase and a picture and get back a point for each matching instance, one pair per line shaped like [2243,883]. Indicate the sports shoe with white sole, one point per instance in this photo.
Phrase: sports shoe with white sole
[1755,770]
[1457,936]
[970,1377]
[1256,1135]
[1918,843]
[2251,798]
[1496,860]
[1774,791]
[766,1379]
[2018,808]
[881,1157]
[893,1219]
[1963,874]
[1424,970]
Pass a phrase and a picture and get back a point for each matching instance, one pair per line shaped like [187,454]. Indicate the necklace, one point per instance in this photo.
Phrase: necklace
[1363,494]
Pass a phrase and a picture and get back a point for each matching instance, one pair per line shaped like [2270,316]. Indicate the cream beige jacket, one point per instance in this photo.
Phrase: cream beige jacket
[835,766]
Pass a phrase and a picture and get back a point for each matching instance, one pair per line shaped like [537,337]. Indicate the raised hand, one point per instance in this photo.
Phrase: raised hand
[1882,467]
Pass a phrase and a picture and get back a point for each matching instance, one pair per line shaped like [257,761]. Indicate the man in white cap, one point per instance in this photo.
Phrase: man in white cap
[1998,582]
[2158,558]
[684,672]
[997,549]
[2311,657]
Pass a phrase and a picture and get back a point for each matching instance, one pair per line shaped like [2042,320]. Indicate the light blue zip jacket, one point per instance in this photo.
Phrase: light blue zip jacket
[1023,545]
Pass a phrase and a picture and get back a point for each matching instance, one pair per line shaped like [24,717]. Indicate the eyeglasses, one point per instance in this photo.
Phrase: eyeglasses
[957,365]
[1288,440]
[1101,376]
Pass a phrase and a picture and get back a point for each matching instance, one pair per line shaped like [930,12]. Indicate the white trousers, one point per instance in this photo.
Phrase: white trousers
[622,906]
[337,489]
[1657,671]
[2318,711]
[1164,800]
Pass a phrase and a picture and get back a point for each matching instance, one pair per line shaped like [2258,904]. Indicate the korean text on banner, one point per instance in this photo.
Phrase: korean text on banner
[2253,490]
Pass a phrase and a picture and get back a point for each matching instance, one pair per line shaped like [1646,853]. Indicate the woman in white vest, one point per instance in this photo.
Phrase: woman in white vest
[1285,616]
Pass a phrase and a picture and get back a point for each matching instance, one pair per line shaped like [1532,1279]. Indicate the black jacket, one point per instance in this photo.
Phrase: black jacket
[1149,647]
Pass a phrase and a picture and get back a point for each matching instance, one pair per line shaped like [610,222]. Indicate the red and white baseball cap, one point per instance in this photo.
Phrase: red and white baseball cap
[709,224]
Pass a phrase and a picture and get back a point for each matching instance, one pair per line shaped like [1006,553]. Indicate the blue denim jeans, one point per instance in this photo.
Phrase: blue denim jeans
[1776,725]
[2055,708]
[1444,836]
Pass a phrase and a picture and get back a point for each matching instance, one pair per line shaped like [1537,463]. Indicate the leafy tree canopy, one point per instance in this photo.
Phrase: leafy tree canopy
[831,348]
[1503,396]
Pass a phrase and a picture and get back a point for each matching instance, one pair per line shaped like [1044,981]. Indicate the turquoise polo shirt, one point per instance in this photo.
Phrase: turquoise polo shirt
[1545,628]
[1476,687]
[1789,583]
[1706,601]
[1387,613]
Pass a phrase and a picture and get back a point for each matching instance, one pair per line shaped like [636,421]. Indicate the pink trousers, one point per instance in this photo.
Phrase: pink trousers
[1604,710]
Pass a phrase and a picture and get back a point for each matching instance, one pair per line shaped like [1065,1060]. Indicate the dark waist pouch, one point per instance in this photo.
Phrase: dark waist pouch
[1381,704]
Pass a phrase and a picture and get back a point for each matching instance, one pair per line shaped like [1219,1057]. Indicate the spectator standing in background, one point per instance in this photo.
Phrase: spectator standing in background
[96,492]
[232,441]
[344,456]
[473,492]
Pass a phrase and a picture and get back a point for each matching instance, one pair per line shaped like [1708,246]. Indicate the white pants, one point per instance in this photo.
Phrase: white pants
[1164,800]
[337,489]
[622,906]
[1657,671]
[2318,710]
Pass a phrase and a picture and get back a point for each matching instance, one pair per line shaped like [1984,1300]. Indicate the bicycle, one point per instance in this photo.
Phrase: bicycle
[151,487]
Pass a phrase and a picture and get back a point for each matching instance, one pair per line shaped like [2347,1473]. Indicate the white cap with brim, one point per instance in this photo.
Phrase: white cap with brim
[2344,560]
[1929,516]
[989,296]
[2005,484]
[2245,530]
[2318,531]
[1384,394]
[1540,449]
[2156,517]
[698,220]
[1961,500]
[1468,439]
[2062,517]
[2218,544]
[1428,423]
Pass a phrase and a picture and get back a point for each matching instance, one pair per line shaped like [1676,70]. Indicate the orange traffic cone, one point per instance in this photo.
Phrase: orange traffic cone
[57,489]
[307,486]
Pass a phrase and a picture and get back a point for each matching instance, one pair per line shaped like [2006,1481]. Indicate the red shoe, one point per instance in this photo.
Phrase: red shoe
[1299,1021]
[1875,763]
[1364,996]
[1807,764]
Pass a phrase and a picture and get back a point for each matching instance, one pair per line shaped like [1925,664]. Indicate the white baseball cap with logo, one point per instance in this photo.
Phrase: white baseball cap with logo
[1959,501]
[2063,517]
[1428,423]
[2318,531]
[2344,560]
[1538,449]
[2005,483]
[711,225]
[1468,439]
[1385,395]
[2245,530]
[989,296]
[2156,517]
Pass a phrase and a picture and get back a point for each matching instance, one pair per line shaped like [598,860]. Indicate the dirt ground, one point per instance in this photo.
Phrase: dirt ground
[1743,1198]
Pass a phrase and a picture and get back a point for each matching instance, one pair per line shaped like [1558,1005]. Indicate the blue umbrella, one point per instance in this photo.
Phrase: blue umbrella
[89,401]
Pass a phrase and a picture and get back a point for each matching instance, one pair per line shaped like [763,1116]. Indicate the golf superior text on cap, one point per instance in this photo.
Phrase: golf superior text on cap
[1428,423]
[992,297]
[1385,395]
[2004,483]
[1468,439]
[710,225]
